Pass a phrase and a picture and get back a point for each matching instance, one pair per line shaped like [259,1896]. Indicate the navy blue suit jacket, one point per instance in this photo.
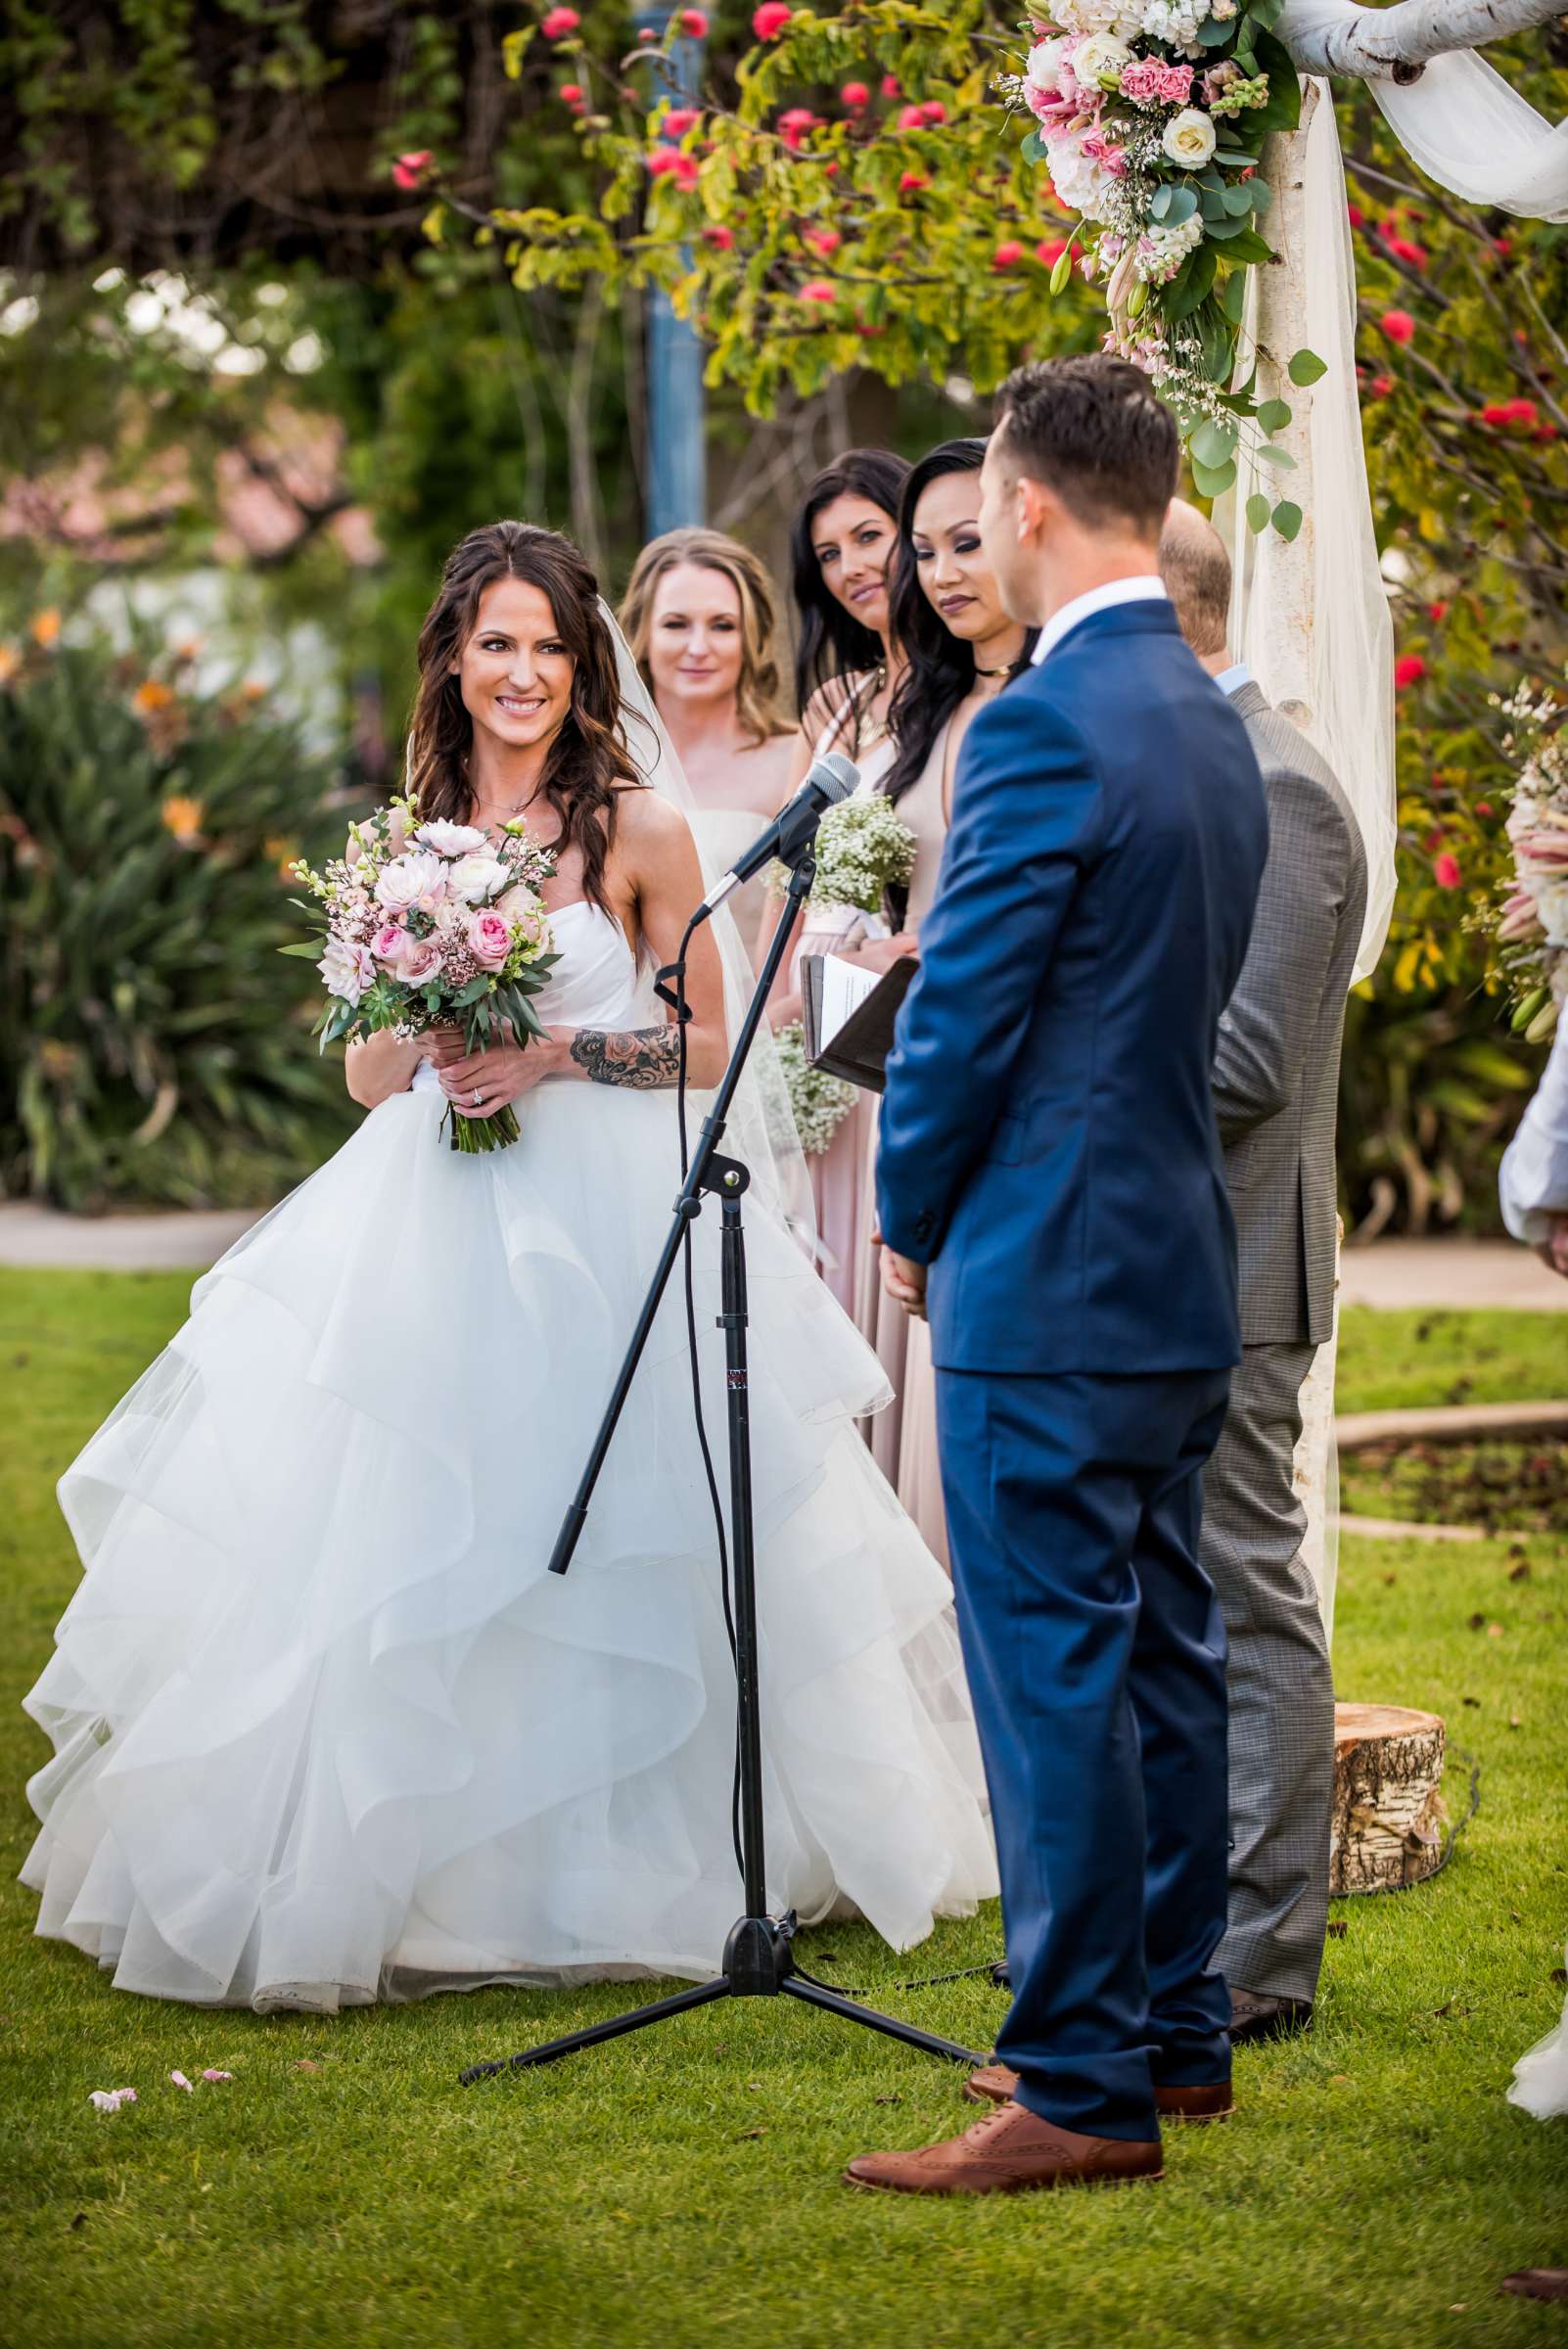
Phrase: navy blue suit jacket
[1048,1143]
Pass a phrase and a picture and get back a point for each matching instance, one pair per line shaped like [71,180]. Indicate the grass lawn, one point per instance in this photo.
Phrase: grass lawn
[680,2190]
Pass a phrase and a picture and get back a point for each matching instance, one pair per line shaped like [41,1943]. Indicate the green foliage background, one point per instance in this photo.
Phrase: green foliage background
[459,391]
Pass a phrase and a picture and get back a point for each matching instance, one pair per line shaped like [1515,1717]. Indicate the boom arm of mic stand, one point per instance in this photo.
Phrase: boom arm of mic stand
[687,1206]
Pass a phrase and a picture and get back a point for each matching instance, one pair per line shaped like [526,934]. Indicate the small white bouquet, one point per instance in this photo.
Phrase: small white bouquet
[1533,925]
[863,848]
[433,925]
[819,1103]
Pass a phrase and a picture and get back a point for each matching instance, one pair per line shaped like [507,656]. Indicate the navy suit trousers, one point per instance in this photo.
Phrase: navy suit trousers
[1096,1659]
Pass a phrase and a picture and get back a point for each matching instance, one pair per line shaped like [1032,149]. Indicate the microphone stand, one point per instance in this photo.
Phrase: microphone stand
[758,1960]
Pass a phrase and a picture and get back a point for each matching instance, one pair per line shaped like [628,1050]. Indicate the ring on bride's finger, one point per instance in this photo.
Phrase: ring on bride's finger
[478,1096]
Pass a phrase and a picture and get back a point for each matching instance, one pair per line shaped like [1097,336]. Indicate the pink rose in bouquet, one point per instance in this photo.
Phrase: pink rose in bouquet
[489,941]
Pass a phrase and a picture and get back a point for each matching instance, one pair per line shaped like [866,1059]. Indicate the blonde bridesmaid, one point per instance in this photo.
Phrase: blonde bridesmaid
[702,619]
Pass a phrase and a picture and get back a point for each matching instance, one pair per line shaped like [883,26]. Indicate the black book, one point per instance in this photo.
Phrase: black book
[858,1049]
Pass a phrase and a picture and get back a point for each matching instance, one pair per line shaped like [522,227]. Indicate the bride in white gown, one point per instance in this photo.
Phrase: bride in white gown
[326,1728]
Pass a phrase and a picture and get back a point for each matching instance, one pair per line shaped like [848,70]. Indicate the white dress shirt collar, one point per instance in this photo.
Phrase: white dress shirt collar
[1230,680]
[1142,590]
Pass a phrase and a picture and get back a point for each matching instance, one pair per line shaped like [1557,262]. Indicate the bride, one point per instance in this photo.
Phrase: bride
[326,1728]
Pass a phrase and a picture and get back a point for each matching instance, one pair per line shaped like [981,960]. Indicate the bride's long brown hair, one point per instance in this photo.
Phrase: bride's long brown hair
[588,763]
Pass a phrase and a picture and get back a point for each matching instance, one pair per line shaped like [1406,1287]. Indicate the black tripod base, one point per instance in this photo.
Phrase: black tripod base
[757,1965]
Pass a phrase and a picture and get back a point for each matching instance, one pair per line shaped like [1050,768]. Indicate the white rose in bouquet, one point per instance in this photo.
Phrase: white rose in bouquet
[1189,138]
[475,878]
[1099,62]
[345,970]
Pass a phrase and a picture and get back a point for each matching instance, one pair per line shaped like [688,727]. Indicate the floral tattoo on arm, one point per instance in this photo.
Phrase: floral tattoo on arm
[639,1057]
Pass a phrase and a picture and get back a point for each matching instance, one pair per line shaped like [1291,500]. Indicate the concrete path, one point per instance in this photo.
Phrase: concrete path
[181,1242]
[1423,1273]
[1462,1274]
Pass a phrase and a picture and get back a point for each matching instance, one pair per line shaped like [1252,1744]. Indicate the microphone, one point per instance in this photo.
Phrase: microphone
[832,778]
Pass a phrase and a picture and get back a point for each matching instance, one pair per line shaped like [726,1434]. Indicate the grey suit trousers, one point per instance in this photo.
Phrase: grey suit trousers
[1281,1688]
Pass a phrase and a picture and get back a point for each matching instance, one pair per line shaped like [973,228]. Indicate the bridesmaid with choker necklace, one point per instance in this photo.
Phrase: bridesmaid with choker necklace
[848,669]
[959,649]
[702,621]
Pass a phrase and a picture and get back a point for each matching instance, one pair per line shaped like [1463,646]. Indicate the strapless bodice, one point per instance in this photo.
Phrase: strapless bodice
[597,983]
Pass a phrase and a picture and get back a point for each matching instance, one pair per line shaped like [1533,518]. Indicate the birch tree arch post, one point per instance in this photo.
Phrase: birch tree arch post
[1310,615]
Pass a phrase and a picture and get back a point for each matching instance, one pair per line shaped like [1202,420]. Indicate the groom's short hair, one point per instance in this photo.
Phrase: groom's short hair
[1092,431]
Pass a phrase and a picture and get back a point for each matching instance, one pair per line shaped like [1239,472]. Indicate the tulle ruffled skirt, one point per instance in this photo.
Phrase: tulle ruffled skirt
[325,1728]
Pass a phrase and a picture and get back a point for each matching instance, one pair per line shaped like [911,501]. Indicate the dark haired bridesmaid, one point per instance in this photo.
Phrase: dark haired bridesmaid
[959,648]
[847,670]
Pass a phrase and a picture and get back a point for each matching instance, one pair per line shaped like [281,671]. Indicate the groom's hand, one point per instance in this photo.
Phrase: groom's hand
[904,1282]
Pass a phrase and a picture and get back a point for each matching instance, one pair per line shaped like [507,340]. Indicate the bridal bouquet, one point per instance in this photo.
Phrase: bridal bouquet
[1533,925]
[433,925]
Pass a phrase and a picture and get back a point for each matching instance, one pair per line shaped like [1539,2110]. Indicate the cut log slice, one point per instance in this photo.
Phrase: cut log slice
[1389,1814]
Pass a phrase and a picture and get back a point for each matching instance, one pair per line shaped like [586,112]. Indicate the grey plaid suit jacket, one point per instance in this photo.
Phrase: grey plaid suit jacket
[1277,1064]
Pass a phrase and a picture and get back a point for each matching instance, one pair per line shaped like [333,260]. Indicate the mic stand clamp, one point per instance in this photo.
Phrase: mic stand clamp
[758,1960]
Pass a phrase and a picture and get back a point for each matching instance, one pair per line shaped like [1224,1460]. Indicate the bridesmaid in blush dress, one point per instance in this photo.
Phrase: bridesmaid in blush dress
[959,648]
[702,622]
[848,668]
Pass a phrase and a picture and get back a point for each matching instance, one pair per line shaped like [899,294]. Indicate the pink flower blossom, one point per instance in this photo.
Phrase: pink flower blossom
[558,23]
[409,169]
[489,941]
[1141,81]
[389,942]
[1175,86]
[1100,148]
[1445,871]
[422,962]
[770,20]
[694,23]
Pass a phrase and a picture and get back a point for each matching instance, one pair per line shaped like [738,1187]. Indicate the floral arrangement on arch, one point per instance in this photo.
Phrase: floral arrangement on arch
[1150,117]
[1532,928]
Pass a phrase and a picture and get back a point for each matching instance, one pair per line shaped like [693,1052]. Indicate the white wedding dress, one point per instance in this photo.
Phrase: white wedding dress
[326,1728]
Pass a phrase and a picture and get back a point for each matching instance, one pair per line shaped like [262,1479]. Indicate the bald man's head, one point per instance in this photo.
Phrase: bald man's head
[1196,571]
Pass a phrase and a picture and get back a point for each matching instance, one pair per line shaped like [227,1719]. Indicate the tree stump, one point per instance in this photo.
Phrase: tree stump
[1389,1814]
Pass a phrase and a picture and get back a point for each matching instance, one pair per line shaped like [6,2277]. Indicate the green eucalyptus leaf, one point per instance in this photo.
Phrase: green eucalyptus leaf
[1307,368]
[1214,480]
[1160,203]
[1238,201]
[1212,444]
[1287,519]
[1280,458]
[1257,512]
[1274,415]
[1283,109]
[1182,204]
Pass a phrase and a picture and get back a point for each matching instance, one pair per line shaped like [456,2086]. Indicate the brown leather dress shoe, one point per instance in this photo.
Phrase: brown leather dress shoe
[1010,2152]
[995,2083]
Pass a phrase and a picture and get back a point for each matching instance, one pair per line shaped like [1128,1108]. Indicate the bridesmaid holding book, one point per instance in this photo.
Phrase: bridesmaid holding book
[848,668]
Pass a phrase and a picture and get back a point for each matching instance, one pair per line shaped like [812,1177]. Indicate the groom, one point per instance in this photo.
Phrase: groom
[1048,1150]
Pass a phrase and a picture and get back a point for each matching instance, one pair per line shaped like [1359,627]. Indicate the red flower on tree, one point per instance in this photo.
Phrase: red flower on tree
[1397,325]
[770,20]
[558,23]
[1408,670]
[1445,870]
[409,170]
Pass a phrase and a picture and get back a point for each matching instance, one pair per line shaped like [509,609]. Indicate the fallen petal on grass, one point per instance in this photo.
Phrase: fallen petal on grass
[180,2081]
[110,2099]
[211,2075]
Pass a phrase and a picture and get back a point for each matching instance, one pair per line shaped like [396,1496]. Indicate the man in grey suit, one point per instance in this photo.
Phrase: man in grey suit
[1275,1083]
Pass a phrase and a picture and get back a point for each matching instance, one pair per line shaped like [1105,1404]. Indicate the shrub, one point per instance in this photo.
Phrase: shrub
[154,1046]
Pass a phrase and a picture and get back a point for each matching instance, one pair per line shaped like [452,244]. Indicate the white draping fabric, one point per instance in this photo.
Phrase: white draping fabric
[1338,667]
